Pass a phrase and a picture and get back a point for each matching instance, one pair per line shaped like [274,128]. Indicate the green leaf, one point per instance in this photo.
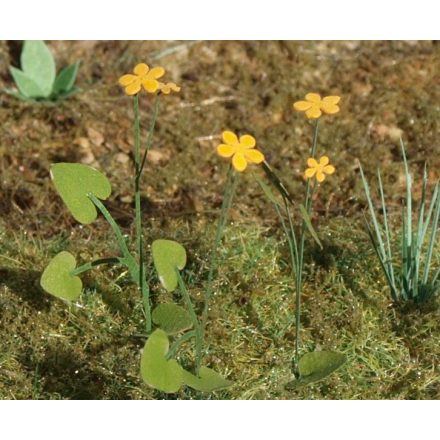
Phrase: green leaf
[73,182]
[317,365]
[309,225]
[38,64]
[156,371]
[172,318]
[208,380]
[66,79]
[168,255]
[27,86]
[57,279]
[267,191]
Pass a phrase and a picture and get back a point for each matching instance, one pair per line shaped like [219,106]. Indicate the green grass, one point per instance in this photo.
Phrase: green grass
[92,349]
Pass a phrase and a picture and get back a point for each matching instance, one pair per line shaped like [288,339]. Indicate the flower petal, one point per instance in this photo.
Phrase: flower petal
[329,108]
[150,85]
[332,99]
[229,138]
[310,172]
[312,163]
[239,162]
[125,80]
[254,156]
[313,97]
[301,106]
[324,160]
[141,69]
[247,141]
[314,112]
[156,73]
[224,150]
[133,88]
[329,169]
[320,176]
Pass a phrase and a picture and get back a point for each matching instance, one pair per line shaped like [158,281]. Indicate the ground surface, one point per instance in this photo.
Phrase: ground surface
[49,350]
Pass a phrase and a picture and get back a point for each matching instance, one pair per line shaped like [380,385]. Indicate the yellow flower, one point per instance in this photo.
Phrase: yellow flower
[319,170]
[143,76]
[167,88]
[314,106]
[242,151]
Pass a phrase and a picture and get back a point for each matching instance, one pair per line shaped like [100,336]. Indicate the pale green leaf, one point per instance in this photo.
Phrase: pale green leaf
[38,64]
[27,86]
[172,318]
[156,371]
[73,182]
[168,256]
[57,279]
[207,381]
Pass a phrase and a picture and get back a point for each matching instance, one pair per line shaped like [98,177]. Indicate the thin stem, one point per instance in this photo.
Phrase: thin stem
[91,264]
[150,134]
[230,186]
[178,342]
[308,206]
[196,323]
[117,231]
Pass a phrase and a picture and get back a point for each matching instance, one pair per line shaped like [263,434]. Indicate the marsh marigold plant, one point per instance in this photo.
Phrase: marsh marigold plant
[241,150]
[314,106]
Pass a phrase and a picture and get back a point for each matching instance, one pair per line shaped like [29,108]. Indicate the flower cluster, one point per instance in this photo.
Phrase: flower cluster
[146,78]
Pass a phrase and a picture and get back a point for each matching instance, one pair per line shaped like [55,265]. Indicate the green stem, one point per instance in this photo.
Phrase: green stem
[230,186]
[145,291]
[178,342]
[308,206]
[91,264]
[150,134]
[197,327]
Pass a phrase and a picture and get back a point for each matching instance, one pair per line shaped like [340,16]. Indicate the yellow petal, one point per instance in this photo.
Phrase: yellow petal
[254,156]
[239,162]
[328,108]
[320,176]
[312,163]
[247,141]
[313,97]
[125,80]
[313,112]
[133,88]
[224,150]
[156,73]
[150,85]
[165,88]
[329,169]
[332,99]
[324,160]
[302,106]
[229,138]
[141,69]
[310,172]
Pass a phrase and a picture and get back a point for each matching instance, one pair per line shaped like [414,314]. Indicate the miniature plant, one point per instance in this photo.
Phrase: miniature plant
[37,79]
[313,366]
[407,274]
[82,189]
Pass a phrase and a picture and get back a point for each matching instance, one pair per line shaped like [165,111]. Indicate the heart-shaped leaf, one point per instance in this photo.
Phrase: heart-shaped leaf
[27,86]
[73,182]
[156,371]
[168,255]
[172,318]
[57,279]
[208,380]
[38,64]
[317,365]
[66,79]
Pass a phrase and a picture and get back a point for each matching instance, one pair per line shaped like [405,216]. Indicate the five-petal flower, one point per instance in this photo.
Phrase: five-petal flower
[241,150]
[143,77]
[319,169]
[314,106]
